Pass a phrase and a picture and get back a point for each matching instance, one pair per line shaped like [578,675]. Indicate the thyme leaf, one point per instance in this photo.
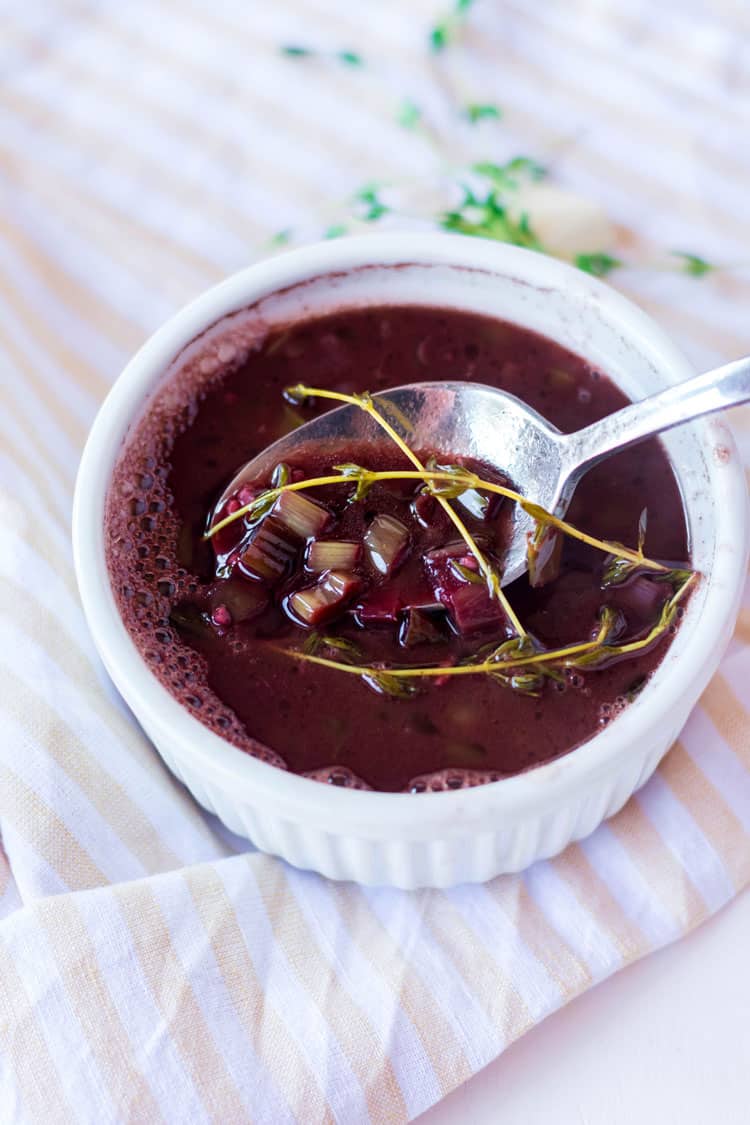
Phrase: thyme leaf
[605,653]
[362,477]
[298,51]
[466,573]
[478,111]
[409,114]
[617,570]
[347,650]
[374,208]
[444,33]
[509,176]
[311,644]
[386,683]
[439,37]
[524,683]
[677,577]
[489,218]
[599,264]
[693,264]
[455,484]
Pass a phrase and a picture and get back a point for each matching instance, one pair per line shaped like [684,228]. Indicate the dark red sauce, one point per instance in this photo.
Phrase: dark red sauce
[214,638]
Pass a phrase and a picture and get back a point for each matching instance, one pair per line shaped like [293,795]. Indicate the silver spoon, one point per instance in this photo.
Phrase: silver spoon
[480,422]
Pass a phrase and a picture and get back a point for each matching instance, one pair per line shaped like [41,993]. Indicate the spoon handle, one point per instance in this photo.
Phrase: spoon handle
[703,394]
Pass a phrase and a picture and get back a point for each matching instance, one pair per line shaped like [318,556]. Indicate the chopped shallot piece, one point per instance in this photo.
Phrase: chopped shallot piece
[418,628]
[270,552]
[305,518]
[221,617]
[462,591]
[236,601]
[382,607]
[472,609]
[426,510]
[641,597]
[332,554]
[318,604]
[245,496]
[385,540]
[480,505]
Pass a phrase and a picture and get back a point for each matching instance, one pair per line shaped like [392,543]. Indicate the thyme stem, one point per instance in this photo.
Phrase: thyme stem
[564,657]
[471,480]
[540,514]
[455,670]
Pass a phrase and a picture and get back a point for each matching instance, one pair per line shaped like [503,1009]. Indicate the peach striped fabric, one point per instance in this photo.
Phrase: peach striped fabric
[154,968]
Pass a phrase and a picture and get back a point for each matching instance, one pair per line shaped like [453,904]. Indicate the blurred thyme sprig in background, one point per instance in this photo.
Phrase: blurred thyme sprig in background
[484,198]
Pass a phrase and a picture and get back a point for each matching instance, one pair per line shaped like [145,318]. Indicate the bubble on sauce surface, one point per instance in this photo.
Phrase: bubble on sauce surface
[611,709]
[433,349]
[340,776]
[447,780]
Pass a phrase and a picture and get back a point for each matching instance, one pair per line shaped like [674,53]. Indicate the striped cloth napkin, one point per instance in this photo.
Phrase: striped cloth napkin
[153,968]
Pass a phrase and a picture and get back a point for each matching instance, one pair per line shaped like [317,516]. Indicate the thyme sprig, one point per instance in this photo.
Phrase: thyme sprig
[491,214]
[507,660]
[634,558]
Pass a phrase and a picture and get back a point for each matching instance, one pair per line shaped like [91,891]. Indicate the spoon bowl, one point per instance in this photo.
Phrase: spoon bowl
[452,419]
[470,420]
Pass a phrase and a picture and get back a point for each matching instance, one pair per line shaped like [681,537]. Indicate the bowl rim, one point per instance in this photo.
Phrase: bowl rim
[367,813]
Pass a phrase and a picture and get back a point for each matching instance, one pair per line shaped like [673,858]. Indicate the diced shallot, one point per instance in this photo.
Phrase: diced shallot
[472,609]
[481,505]
[270,553]
[234,600]
[641,597]
[305,518]
[381,607]
[418,628]
[332,554]
[462,591]
[386,539]
[221,617]
[318,604]
[428,513]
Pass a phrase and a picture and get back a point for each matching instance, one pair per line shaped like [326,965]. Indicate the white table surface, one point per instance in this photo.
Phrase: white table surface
[665,1041]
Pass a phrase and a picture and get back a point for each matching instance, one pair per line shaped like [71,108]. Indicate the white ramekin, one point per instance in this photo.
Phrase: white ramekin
[432,839]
